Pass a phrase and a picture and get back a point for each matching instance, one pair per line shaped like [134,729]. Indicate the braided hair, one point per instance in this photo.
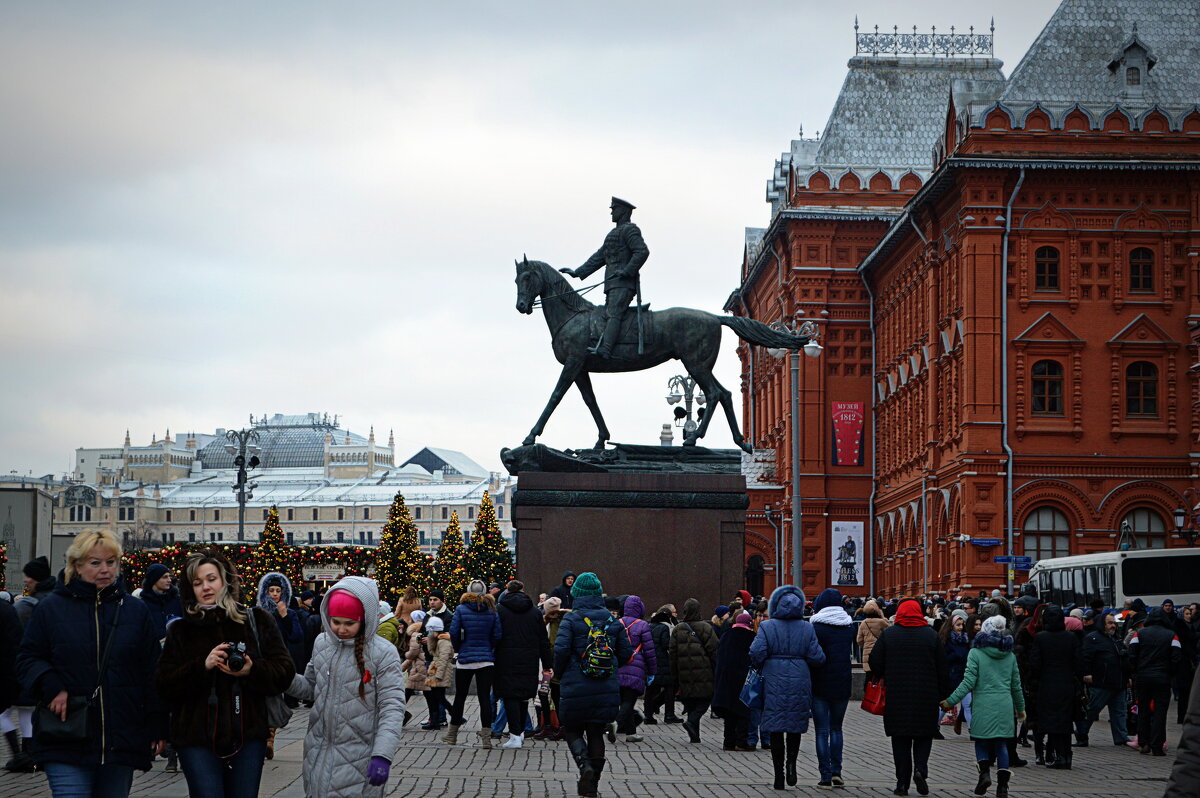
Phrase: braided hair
[360,642]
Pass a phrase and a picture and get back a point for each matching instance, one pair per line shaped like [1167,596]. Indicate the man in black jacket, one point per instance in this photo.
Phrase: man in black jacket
[563,590]
[1104,669]
[1155,654]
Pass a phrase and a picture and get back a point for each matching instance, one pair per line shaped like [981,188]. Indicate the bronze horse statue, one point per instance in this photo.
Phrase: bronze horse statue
[691,336]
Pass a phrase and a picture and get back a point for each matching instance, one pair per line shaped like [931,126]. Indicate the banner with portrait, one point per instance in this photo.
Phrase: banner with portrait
[847,553]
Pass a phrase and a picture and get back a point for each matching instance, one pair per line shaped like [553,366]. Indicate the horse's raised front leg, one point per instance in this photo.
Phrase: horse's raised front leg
[584,383]
[570,371]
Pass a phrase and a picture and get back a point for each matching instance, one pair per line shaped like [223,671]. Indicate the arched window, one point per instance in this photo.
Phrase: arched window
[1133,76]
[1047,388]
[1141,270]
[1047,534]
[1046,269]
[1148,528]
[1141,389]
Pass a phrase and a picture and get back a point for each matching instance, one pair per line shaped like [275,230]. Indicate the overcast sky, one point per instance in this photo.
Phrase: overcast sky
[214,209]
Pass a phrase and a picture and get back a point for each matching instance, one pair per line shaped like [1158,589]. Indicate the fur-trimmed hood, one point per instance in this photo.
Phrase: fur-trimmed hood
[275,578]
[787,601]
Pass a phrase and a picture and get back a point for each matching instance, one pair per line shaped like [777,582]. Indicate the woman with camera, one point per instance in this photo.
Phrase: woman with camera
[217,669]
[88,656]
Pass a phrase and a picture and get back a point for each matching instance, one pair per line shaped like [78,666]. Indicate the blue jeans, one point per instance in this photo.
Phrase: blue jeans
[1098,698]
[994,750]
[755,720]
[88,781]
[209,776]
[501,717]
[827,717]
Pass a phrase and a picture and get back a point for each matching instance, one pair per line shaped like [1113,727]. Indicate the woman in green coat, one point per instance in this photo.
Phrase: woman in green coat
[994,682]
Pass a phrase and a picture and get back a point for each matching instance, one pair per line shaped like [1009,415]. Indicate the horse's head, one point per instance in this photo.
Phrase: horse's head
[529,284]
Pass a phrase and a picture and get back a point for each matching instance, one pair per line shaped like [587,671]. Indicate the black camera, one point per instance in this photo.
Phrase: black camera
[235,656]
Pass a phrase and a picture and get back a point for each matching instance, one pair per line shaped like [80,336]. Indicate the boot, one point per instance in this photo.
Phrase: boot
[587,773]
[271,744]
[1081,741]
[1039,751]
[1014,758]
[777,762]
[793,751]
[1002,777]
[597,769]
[485,737]
[172,761]
[21,761]
[451,735]
[985,779]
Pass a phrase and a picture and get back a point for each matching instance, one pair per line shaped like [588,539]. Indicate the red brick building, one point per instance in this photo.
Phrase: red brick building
[1004,275]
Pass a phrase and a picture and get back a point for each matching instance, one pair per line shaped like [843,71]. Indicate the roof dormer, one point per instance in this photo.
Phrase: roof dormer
[1130,65]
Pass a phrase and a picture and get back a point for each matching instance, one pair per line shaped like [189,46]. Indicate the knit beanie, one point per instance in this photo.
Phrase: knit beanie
[959,614]
[418,616]
[1077,613]
[744,621]
[477,587]
[434,625]
[37,569]
[385,609]
[343,604]
[586,584]
[155,572]
[552,604]
[995,625]
[721,611]
[829,597]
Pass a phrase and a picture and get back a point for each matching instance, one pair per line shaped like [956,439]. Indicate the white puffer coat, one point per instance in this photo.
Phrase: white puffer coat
[344,732]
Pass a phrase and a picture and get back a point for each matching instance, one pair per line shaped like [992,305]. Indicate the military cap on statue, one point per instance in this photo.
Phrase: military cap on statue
[617,202]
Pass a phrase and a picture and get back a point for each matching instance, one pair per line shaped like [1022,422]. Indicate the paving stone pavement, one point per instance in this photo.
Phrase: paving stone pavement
[665,765]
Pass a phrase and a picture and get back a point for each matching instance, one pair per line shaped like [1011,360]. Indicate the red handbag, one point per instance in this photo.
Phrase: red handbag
[874,696]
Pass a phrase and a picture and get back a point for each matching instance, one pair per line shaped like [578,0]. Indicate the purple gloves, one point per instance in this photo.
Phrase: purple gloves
[377,773]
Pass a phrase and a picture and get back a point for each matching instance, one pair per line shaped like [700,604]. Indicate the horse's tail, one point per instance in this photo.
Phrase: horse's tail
[758,333]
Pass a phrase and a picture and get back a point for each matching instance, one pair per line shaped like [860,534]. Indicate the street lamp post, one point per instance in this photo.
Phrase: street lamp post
[807,329]
[241,443]
[683,388]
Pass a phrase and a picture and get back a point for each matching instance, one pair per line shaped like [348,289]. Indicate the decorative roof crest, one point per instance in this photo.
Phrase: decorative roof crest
[932,43]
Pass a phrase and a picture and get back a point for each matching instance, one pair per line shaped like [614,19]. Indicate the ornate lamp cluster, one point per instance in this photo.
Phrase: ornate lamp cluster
[932,43]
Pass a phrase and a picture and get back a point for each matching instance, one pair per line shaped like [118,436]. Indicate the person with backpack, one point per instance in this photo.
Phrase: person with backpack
[638,671]
[693,651]
[589,646]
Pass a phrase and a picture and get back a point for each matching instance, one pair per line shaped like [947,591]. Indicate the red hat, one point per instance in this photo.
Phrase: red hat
[343,604]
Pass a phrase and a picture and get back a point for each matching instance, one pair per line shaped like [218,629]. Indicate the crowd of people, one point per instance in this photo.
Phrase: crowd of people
[103,680]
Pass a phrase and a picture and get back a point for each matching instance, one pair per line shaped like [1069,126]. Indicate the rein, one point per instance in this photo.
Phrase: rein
[537,303]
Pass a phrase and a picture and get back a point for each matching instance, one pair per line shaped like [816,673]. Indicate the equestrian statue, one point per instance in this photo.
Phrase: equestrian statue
[587,338]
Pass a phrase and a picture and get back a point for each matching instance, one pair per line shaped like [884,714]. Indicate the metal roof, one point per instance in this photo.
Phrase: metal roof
[1069,61]
[286,442]
[891,111]
[433,459]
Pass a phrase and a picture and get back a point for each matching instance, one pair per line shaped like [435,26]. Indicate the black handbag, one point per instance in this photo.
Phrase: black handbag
[278,712]
[50,729]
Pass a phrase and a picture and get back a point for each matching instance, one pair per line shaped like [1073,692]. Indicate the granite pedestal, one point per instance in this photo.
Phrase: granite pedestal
[665,537]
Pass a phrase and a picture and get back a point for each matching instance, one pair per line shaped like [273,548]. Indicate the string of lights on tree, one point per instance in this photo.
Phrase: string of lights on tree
[488,557]
[3,565]
[449,569]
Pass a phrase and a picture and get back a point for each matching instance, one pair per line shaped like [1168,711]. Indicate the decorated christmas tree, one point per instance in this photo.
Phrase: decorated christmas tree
[449,571]
[489,558]
[271,554]
[399,562]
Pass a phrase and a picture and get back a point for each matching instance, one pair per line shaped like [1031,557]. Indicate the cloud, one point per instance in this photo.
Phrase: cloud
[208,210]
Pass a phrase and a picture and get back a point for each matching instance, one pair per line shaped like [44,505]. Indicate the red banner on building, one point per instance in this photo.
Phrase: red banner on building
[848,420]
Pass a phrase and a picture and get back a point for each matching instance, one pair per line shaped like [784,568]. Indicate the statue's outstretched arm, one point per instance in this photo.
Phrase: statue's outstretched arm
[591,264]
